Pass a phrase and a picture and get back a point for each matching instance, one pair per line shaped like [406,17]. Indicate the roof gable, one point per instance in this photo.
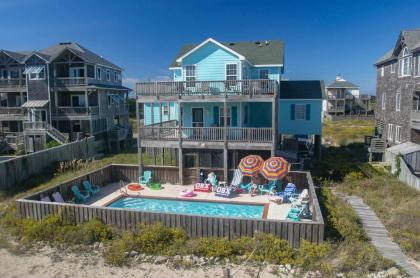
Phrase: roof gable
[407,38]
[209,40]
[267,53]
[342,84]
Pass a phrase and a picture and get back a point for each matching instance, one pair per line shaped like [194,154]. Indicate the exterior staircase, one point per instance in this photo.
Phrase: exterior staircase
[56,135]
[361,103]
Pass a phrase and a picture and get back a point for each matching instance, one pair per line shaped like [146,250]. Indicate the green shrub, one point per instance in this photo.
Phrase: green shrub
[273,250]
[353,176]
[213,247]
[115,253]
[309,255]
[156,238]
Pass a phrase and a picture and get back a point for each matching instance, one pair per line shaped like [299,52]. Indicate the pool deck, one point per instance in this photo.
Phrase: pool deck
[111,192]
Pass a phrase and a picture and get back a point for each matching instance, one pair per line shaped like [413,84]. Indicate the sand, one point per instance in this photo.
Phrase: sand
[48,262]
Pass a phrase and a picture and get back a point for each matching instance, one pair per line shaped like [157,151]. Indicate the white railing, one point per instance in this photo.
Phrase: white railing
[35,125]
[70,81]
[211,134]
[191,88]
[76,111]
[12,83]
[11,111]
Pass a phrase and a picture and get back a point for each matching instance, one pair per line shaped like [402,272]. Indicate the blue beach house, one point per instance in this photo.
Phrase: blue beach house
[228,100]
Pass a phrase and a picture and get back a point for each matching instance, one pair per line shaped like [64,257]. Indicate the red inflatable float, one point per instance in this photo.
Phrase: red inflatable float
[135,187]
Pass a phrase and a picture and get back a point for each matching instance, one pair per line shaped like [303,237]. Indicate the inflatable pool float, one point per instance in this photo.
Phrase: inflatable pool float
[134,187]
[187,193]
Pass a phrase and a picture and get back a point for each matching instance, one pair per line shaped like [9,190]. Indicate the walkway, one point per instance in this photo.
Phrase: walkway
[378,234]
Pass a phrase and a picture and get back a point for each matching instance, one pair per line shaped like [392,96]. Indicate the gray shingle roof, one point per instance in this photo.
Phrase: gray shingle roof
[266,54]
[411,40]
[51,53]
[342,84]
[302,89]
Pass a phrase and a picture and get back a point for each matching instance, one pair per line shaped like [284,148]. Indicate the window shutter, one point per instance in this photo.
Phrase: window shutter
[308,112]
[292,111]
[216,115]
[234,116]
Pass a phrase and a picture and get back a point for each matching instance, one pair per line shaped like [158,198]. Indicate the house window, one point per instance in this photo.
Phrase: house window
[231,71]
[108,75]
[405,63]
[398,134]
[190,75]
[383,101]
[98,73]
[300,112]
[382,70]
[398,102]
[165,109]
[37,74]
[263,73]
[393,67]
[417,65]
[222,116]
[115,76]
[119,76]
[390,132]
[77,72]
[78,101]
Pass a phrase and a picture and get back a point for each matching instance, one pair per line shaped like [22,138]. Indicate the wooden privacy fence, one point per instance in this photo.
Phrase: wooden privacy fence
[194,225]
[21,168]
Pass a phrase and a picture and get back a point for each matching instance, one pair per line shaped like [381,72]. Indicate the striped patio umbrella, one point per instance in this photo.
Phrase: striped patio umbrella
[250,165]
[275,168]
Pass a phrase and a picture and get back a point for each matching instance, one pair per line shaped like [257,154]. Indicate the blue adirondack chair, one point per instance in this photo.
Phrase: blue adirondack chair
[289,191]
[146,178]
[269,188]
[91,189]
[80,197]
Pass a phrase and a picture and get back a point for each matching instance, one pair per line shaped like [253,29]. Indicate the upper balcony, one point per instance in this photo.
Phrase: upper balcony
[12,113]
[12,84]
[190,90]
[415,119]
[75,112]
[72,81]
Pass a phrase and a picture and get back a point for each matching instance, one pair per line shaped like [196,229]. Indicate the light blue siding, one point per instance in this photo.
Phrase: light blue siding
[300,127]
[210,61]
[155,118]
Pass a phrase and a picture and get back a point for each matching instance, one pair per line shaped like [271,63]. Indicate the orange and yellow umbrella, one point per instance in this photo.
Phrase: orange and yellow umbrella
[275,168]
[250,165]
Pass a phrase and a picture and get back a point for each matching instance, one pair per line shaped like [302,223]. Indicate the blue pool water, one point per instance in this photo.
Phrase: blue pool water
[190,207]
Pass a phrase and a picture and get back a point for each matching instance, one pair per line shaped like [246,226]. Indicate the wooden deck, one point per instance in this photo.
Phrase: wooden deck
[379,235]
[194,225]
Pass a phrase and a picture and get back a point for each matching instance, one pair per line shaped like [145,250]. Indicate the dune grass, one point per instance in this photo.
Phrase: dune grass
[344,132]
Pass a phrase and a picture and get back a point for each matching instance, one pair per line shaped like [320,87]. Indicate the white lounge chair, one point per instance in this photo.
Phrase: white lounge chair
[297,201]
[57,197]
[237,178]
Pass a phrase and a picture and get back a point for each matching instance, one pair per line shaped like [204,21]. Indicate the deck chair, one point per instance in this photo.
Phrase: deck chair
[57,197]
[270,188]
[298,213]
[146,178]
[297,201]
[46,199]
[289,191]
[91,189]
[80,196]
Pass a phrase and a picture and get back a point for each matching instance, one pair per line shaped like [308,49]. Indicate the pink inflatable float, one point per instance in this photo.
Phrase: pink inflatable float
[187,193]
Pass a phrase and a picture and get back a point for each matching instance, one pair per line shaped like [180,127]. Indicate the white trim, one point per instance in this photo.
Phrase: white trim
[179,60]
[184,75]
[398,102]
[175,68]
[272,65]
[108,78]
[192,114]
[96,73]
[383,101]
[390,132]
[397,134]
[237,70]
[30,56]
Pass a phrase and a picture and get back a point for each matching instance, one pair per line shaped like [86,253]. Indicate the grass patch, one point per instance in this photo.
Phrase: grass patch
[396,204]
[344,132]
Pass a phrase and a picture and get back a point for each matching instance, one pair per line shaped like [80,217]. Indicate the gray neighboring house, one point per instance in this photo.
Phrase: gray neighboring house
[398,90]
[344,98]
[63,93]
[398,102]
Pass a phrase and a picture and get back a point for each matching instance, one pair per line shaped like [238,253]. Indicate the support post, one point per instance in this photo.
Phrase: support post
[180,166]
[180,154]
[317,148]
[274,130]
[225,163]
[140,154]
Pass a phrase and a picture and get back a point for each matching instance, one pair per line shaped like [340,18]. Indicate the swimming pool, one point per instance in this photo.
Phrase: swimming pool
[191,207]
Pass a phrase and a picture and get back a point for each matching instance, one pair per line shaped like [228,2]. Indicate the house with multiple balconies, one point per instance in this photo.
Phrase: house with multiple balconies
[398,100]
[343,98]
[227,100]
[63,93]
